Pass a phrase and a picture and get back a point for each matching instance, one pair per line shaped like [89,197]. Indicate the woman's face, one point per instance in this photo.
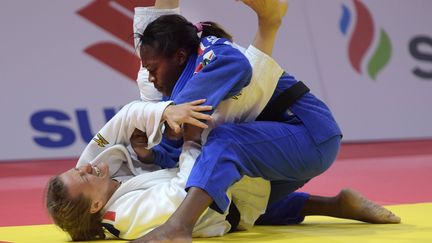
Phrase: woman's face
[93,182]
[163,72]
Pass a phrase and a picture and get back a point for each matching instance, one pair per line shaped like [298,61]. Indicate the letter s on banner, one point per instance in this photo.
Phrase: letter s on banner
[39,122]
[421,54]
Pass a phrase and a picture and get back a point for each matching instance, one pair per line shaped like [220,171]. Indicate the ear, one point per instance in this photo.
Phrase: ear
[96,206]
[182,56]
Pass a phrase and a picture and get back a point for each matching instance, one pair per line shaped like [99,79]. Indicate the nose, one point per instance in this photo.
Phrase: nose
[85,169]
[152,79]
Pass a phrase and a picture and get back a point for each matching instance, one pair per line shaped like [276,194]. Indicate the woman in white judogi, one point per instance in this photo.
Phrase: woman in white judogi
[145,200]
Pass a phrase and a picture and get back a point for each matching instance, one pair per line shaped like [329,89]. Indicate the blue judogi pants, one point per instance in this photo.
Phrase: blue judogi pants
[286,210]
[281,152]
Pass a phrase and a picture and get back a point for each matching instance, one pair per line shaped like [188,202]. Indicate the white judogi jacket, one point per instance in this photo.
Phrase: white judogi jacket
[146,199]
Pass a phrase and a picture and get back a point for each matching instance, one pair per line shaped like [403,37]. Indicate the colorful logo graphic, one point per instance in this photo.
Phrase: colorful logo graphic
[362,39]
[115,17]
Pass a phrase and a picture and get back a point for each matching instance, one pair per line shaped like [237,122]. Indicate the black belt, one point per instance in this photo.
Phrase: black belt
[283,102]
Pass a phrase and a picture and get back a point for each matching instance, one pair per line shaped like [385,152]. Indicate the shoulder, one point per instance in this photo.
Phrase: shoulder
[212,42]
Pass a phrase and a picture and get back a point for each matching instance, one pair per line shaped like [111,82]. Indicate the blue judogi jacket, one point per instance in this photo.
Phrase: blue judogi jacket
[222,75]
[218,71]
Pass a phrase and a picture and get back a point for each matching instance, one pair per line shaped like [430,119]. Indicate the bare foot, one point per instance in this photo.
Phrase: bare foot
[166,233]
[270,11]
[353,205]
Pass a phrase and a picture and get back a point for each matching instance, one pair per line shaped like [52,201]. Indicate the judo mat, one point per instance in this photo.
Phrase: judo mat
[397,175]
[416,227]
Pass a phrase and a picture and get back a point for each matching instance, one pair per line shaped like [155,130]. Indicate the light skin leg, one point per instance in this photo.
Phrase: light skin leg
[179,226]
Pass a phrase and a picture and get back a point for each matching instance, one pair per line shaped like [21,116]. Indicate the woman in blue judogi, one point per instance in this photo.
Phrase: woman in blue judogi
[296,139]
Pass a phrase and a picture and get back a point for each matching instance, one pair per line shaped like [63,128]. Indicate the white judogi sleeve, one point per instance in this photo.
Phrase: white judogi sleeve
[146,201]
[145,116]
[142,17]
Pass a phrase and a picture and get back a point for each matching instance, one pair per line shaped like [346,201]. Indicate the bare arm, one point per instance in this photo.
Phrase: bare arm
[270,14]
[166,4]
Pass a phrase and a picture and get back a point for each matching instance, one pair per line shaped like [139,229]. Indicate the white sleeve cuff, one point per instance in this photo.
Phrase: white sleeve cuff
[152,11]
[145,15]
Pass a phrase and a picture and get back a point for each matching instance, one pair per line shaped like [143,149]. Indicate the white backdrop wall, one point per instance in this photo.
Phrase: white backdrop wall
[68,66]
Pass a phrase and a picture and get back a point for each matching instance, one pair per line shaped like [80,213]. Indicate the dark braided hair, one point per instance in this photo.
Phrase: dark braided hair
[169,33]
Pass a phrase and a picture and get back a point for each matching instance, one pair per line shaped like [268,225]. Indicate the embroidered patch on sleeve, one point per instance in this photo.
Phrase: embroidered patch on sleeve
[207,57]
[108,222]
[109,215]
[101,141]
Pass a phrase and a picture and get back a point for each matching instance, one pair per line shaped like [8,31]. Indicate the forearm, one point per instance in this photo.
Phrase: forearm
[265,36]
[270,14]
[147,158]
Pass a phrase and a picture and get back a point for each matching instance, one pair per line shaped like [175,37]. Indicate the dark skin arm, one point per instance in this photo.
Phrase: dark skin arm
[139,143]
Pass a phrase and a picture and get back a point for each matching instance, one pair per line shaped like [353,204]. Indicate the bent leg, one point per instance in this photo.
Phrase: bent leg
[274,151]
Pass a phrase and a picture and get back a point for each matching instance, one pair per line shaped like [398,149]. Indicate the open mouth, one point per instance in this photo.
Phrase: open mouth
[97,171]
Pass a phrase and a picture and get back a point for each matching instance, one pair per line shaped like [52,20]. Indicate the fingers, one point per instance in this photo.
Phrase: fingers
[202,108]
[190,113]
[174,126]
[196,105]
[201,116]
[196,102]
[197,123]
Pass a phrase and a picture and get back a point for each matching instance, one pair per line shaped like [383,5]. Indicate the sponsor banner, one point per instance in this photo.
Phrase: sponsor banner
[68,66]
[376,66]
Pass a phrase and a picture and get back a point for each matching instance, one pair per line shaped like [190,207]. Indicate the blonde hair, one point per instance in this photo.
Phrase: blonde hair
[72,215]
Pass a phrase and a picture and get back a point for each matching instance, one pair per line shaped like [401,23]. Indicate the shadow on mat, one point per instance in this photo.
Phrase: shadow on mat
[314,230]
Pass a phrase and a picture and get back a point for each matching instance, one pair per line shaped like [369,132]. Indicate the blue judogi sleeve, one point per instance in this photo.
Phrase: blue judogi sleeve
[167,153]
[221,71]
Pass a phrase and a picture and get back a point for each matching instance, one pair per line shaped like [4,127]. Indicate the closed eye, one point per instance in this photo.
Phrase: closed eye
[81,175]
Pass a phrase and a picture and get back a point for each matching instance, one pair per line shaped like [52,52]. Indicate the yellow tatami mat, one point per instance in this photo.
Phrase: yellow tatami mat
[416,226]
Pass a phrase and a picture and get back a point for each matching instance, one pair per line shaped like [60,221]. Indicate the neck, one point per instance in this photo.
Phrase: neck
[114,185]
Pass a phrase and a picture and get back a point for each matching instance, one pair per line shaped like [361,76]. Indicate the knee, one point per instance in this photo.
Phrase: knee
[328,153]
[330,149]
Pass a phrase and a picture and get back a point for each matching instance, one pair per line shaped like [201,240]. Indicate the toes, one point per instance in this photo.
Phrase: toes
[393,218]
